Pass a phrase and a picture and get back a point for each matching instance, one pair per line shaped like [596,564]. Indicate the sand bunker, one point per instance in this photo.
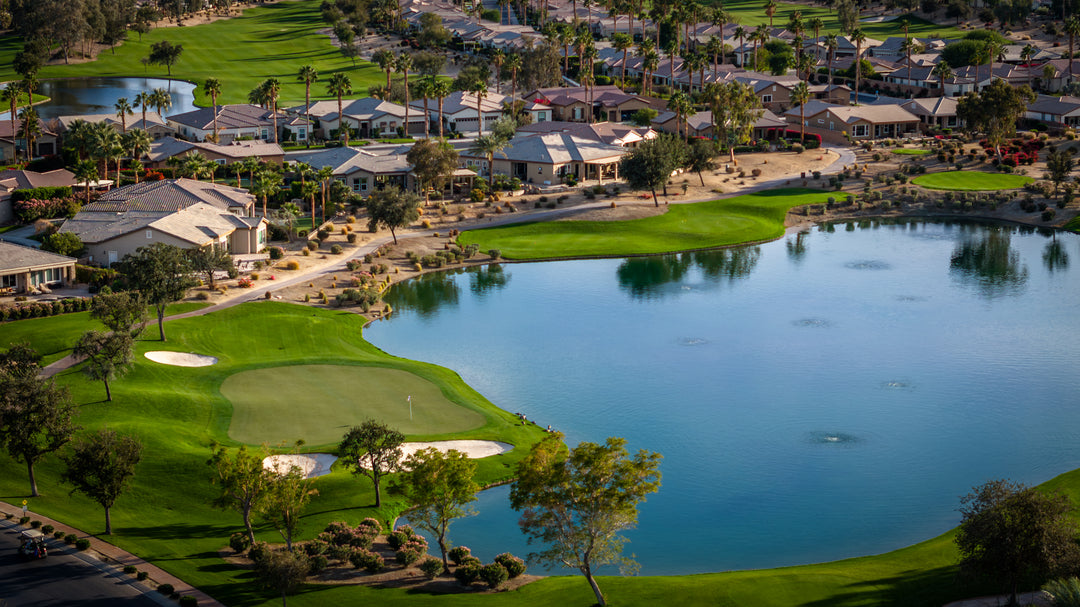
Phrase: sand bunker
[310,464]
[181,359]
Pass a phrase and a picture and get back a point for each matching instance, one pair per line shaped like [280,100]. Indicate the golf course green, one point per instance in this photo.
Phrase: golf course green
[319,403]
[971,181]
[746,218]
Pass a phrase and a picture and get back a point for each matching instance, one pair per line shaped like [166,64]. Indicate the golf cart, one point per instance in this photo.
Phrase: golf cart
[32,544]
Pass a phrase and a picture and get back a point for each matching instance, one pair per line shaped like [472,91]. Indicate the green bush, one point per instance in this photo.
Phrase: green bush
[514,566]
[82,544]
[494,575]
[165,589]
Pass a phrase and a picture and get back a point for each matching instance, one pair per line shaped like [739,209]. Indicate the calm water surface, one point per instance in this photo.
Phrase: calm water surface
[75,96]
[823,396]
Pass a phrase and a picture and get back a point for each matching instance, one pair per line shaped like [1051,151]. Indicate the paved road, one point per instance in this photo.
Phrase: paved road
[64,578]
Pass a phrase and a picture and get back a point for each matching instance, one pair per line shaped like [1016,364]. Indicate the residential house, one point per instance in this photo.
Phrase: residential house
[180,212]
[236,151]
[24,180]
[1060,112]
[545,158]
[858,122]
[239,121]
[25,269]
[155,125]
[13,144]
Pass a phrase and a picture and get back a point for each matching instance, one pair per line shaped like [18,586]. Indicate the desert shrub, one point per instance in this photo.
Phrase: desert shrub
[494,575]
[514,566]
[467,574]
[165,589]
[239,541]
[458,554]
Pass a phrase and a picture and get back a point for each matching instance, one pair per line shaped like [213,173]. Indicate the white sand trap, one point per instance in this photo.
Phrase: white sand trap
[310,464]
[181,359]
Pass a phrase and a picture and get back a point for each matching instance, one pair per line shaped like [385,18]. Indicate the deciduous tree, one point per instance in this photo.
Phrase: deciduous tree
[579,505]
[372,449]
[100,465]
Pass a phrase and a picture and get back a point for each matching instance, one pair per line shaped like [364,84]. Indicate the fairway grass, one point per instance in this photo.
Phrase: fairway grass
[971,181]
[747,218]
[271,41]
[319,403]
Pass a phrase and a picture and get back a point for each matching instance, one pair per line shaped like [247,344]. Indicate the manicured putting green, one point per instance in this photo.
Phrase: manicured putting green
[971,181]
[318,403]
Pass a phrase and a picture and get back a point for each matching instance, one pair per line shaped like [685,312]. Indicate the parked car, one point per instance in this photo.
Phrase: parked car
[32,545]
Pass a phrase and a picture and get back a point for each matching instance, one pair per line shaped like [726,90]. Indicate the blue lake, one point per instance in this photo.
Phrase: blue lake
[824,396]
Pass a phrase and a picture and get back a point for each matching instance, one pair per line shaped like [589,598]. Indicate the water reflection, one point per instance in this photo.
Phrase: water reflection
[984,259]
[652,277]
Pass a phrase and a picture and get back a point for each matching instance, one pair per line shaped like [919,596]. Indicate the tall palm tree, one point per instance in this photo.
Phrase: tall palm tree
[514,62]
[138,141]
[212,87]
[339,86]
[307,75]
[497,58]
[479,88]
[123,110]
[440,90]
[943,72]
[623,42]
[386,62]
[858,37]
[403,63]
[800,94]
[832,44]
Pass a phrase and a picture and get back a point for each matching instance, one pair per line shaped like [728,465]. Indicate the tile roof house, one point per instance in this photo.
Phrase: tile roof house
[235,122]
[12,143]
[26,268]
[546,158]
[180,212]
[12,180]
[168,147]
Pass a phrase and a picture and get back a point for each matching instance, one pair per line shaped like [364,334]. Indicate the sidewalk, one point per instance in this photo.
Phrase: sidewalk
[119,558]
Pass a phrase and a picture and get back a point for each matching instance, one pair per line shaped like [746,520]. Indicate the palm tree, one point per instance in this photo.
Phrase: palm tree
[402,64]
[623,42]
[440,90]
[86,171]
[800,94]
[858,37]
[943,72]
[386,61]
[497,57]
[30,127]
[760,36]
[138,141]
[513,63]
[123,110]
[832,44]
[479,89]
[307,75]
[212,87]
[339,86]
[770,10]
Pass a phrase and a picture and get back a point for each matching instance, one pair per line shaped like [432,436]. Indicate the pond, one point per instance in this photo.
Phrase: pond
[76,96]
[824,396]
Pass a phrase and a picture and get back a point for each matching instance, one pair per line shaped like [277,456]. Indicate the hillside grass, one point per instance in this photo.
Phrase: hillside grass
[274,40]
[746,218]
[971,181]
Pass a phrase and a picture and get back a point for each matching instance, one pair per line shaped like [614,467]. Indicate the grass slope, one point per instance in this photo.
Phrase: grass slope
[971,181]
[747,218]
[268,41]
[316,402]
[178,411]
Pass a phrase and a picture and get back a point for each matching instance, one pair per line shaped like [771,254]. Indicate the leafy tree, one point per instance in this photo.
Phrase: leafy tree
[1016,535]
[441,488]
[63,243]
[165,53]
[161,275]
[372,449]
[100,465]
[283,571]
[243,481]
[579,505]
[650,165]
[286,497]
[210,260]
[701,157]
[433,162]
[121,312]
[393,208]
[107,356]
[1059,164]
[35,414]
[995,109]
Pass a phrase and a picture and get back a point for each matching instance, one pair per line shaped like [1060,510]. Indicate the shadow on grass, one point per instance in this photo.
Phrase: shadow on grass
[922,588]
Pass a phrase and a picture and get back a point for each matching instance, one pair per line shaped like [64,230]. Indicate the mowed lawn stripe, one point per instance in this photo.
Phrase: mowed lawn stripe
[746,218]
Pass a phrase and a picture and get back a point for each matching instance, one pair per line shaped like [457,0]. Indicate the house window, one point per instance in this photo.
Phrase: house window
[860,130]
[149,234]
[766,98]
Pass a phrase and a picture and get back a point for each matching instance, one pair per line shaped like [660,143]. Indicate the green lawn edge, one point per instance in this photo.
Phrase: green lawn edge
[748,218]
[971,181]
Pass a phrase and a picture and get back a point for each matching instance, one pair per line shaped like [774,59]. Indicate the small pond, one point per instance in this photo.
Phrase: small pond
[827,395]
[74,96]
